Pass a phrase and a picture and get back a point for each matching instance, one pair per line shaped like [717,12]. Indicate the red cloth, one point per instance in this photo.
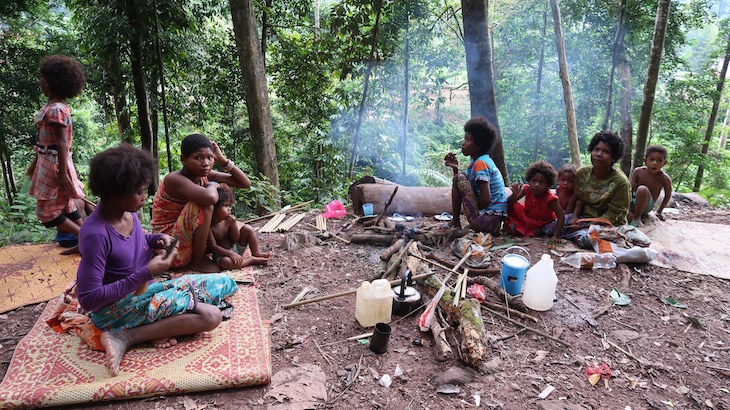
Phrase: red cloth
[535,213]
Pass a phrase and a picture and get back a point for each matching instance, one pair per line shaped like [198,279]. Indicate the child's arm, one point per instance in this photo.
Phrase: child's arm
[485,196]
[233,176]
[233,232]
[635,179]
[571,203]
[667,195]
[518,191]
[576,212]
[555,206]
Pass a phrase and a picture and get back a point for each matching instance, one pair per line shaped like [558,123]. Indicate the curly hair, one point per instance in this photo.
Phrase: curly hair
[483,132]
[225,196]
[64,76]
[194,142]
[568,169]
[659,149]
[541,167]
[612,140]
[120,171]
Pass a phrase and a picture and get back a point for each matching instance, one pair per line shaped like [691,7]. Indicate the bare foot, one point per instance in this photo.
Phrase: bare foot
[261,254]
[164,343]
[639,223]
[259,261]
[70,251]
[115,346]
[455,223]
[205,266]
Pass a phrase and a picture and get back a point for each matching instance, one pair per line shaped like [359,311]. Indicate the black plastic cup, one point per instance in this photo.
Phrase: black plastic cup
[380,337]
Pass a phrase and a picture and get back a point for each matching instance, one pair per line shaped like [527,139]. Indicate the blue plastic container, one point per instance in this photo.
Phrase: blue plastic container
[367,209]
[513,270]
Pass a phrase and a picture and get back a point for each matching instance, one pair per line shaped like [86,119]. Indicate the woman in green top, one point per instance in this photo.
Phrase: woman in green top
[602,191]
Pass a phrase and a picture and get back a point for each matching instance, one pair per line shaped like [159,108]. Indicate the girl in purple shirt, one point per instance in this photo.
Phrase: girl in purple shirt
[118,257]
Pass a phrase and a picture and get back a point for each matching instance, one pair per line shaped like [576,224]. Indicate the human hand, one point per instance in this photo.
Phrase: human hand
[451,162]
[556,239]
[219,157]
[515,187]
[236,259]
[231,219]
[64,182]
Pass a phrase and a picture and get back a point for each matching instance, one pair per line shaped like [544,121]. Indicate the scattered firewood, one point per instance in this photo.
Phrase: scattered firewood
[395,263]
[395,247]
[382,213]
[468,317]
[472,271]
[372,239]
[439,339]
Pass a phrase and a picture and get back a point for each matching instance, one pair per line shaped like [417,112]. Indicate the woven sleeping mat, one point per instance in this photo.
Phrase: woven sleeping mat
[53,369]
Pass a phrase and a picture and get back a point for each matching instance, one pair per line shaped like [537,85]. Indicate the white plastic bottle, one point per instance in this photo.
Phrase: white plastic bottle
[541,283]
[374,303]
[590,260]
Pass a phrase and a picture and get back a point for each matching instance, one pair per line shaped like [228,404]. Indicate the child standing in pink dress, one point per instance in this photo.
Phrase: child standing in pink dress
[541,205]
[54,181]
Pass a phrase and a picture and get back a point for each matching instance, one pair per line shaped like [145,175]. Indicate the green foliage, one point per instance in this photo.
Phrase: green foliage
[18,223]
[261,196]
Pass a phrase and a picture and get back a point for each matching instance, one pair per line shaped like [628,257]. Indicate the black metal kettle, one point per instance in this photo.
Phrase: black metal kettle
[405,297]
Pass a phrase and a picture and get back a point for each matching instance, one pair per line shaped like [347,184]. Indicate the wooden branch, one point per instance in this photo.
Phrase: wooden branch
[328,233]
[510,311]
[395,247]
[535,331]
[472,271]
[382,213]
[512,301]
[347,292]
[439,340]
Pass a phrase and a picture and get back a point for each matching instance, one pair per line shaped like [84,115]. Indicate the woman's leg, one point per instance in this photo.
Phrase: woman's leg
[478,222]
[203,318]
[200,261]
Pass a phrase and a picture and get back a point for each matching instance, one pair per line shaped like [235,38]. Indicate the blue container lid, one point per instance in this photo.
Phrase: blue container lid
[515,261]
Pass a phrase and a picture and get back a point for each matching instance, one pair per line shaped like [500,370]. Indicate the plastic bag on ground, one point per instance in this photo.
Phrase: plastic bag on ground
[334,209]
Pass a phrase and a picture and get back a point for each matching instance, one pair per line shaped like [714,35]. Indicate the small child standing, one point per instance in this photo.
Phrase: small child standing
[541,205]
[647,182]
[54,181]
[565,192]
[229,238]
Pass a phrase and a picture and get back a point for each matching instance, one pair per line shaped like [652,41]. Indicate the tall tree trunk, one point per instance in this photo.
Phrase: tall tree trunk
[162,95]
[265,30]
[368,71]
[404,140]
[713,116]
[538,89]
[119,94]
[627,126]
[316,18]
[255,89]
[480,73]
[723,135]
[652,74]
[617,39]
[567,91]
[11,174]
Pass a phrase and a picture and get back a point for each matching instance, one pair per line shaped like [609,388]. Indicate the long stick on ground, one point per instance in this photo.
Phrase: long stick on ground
[535,331]
[345,293]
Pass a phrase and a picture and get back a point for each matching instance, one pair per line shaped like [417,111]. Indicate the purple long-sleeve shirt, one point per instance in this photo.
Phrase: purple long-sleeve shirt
[112,265]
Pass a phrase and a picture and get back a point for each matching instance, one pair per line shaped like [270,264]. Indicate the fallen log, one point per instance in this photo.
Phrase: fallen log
[395,262]
[467,316]
[425,201]
[372,239]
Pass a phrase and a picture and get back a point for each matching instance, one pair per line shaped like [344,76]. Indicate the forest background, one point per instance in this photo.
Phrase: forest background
[357,88]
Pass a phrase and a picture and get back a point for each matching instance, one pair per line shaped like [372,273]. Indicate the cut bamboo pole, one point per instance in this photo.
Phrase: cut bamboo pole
[272,224]
[290,223]
[286,209]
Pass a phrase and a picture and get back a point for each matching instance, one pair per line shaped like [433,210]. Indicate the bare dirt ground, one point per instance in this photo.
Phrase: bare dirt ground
[659,359]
